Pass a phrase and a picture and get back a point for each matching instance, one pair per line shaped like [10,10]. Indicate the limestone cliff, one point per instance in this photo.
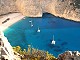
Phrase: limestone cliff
[7,6]
[69,9]
[69,55]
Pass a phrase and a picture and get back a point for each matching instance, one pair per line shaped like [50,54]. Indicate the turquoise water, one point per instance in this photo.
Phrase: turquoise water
[66,34]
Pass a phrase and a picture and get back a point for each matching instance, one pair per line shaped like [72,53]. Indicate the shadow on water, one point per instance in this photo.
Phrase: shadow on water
[56,48]
[59,40]
[59,47]
[64,43]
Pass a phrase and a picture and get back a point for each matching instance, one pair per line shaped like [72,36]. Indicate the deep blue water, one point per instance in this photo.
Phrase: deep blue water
[66,34]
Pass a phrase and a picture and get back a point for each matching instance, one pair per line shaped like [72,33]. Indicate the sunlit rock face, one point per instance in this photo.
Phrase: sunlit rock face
[69,55]
[64,8]
[69,9]
[7,6]
[30,8]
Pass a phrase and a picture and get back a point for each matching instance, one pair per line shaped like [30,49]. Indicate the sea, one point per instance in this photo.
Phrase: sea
[66,34]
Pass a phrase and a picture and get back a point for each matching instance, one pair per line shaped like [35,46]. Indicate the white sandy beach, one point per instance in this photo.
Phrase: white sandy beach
[14,17]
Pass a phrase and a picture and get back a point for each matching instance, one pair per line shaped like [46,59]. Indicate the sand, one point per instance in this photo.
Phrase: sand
[14,17]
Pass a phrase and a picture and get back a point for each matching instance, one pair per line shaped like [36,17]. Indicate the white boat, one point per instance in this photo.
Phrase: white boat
[53,41]
[31,23]
[38,30]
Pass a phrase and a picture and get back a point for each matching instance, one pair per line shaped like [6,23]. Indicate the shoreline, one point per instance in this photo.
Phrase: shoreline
[14,17]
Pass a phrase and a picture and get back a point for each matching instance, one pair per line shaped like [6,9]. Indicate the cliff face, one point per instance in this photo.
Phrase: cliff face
[7,6]
[30,8]
[69,55]
[69,9]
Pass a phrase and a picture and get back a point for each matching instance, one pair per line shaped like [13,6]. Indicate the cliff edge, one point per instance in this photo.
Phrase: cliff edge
[69,9]
[69,55]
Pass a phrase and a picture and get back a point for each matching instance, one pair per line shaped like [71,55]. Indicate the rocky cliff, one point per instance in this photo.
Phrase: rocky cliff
[69,9]
[7,6]
[69,55]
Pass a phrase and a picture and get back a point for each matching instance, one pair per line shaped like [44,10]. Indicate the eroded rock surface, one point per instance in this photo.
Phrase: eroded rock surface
[69,9]
[69,55]
[7,6]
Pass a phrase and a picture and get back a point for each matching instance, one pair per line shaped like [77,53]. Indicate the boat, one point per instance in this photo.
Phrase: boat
[53,41]
[38,30]
[31,23]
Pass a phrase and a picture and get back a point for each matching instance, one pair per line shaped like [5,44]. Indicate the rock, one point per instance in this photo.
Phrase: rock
[69,55]
[7,6]
[69,9]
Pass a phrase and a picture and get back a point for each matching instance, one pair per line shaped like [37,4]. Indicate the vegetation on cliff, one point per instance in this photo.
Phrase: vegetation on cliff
[33,54]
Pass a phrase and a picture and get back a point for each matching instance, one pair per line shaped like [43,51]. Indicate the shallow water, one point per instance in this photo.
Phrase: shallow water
[66,34]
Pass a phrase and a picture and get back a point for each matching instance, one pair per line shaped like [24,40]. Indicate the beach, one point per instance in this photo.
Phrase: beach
[13,18]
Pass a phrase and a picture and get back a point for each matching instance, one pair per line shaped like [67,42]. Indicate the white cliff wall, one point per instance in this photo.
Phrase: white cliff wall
[7,47]
[35,8]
